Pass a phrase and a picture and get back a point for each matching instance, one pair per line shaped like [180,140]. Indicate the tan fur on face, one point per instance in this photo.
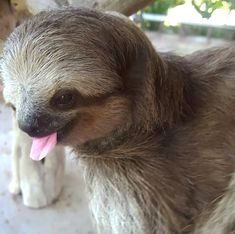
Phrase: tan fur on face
[158,153]
[94,121]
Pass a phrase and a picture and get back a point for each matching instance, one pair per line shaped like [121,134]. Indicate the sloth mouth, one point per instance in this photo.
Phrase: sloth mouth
[42,146]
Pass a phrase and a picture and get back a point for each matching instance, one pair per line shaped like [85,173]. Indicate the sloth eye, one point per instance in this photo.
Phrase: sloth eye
[65,99]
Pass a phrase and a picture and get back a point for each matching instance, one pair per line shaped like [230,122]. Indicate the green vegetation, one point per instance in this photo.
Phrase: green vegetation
[162,6]
[204,7]
[159,7]
[207,7]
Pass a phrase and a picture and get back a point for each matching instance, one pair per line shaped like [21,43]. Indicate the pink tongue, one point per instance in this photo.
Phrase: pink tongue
[42,146]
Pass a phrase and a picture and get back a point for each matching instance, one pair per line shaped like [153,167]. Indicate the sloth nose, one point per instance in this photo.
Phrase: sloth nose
[35,126]
[30,127]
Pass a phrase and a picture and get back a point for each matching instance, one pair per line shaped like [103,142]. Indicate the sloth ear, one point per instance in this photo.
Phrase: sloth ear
[158,88]
[139,83]
[153,83]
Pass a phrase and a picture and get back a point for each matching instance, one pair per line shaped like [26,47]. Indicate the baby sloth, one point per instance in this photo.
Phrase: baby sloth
[154,132]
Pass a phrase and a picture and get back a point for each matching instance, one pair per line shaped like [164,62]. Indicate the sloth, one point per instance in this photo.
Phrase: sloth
[153,132]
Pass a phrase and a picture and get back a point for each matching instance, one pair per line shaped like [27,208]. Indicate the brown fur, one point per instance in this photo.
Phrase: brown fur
[7,19]
[157,151]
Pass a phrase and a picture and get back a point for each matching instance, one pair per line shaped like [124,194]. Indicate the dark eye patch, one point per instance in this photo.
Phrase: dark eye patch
[70,99]
[65,99]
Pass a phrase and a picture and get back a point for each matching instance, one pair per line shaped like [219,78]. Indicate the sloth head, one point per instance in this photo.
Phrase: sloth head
[81,74]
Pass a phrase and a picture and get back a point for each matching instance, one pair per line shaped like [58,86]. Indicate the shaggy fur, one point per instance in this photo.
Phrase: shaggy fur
[154,132]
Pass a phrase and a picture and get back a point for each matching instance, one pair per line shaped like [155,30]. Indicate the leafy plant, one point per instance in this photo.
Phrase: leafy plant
[159,7]
[207,7]
[162,6]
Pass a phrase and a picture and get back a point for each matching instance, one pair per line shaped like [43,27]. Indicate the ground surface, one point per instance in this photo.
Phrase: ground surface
[69,215]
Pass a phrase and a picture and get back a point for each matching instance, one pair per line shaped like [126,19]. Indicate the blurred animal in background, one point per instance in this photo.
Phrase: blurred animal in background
[154,132]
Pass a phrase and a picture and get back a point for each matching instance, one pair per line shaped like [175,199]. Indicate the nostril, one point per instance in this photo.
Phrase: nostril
[36,124]
[29,127]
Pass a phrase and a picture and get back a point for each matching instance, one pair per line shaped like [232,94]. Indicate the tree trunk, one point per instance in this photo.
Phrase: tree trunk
[127,7]
[7,20]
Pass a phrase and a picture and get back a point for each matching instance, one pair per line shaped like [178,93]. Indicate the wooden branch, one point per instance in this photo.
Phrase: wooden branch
[127,7]
[7,20]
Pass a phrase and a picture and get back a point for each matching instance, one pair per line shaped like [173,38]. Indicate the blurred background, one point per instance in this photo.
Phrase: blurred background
[188,25]
[181,26]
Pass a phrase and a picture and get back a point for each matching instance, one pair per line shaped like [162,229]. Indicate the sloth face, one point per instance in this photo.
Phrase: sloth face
[49,104]
[76,75]
[75,119]
[63,79]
